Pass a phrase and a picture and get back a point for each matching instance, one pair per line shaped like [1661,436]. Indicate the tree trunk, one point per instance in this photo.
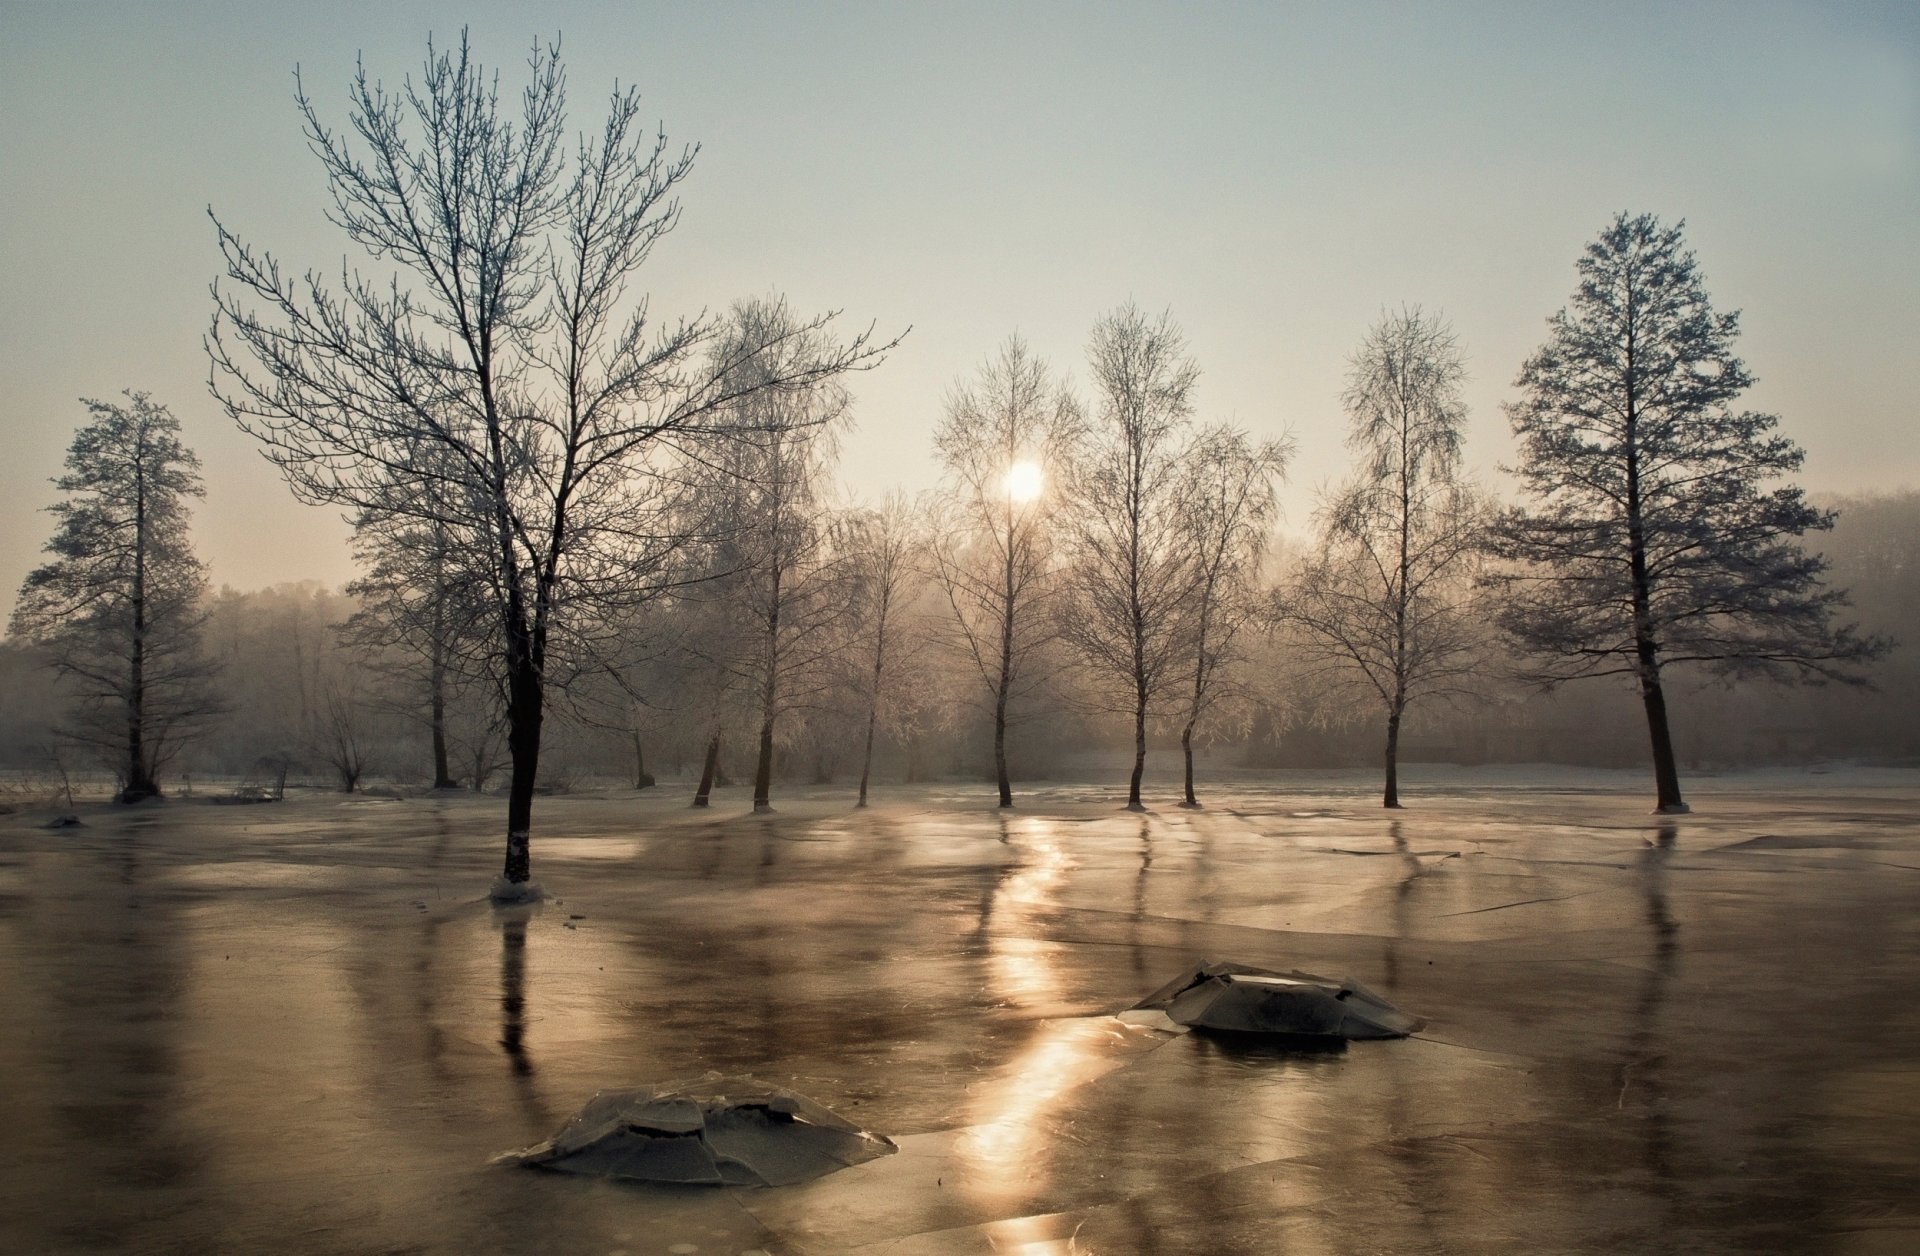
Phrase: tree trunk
[1139,749]
[1646,648]
[1391,794]
[866,761]
[442,770]
[701,795]
[1000,747]
[1006,667]
[640,778]
[140,783]
[769,695]
[1186,749]
[1666,773]
[524,702]
[1392,797]
[763,770]
[873,693]
[437,679]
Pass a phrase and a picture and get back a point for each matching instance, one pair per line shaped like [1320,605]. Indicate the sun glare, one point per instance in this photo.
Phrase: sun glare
[1024,481]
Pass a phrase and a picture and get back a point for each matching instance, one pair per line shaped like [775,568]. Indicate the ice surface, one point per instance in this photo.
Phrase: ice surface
[303,1029]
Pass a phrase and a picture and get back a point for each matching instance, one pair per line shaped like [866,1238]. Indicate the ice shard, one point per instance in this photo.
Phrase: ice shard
[720,1131]
[1237,998]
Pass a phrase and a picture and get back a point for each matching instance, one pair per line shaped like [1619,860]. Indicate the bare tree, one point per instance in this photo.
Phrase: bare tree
[1227,508]
[1656,534]
[992,551]
[339,735]
[118,610]
[712,645]
[624,689]
[794,585]
[1131,572]
[889,545]
[424,618]
[505,336]
[717,677]
[1389,593]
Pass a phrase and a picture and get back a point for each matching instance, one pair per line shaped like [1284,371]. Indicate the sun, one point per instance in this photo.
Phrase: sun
[1024,481]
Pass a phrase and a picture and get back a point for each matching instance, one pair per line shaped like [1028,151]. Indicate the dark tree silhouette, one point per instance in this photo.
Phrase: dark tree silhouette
[504,333]
[118,610]
[1655,533]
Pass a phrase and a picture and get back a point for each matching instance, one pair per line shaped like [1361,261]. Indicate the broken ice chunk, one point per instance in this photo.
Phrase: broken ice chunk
[731,1131]
[1240,999]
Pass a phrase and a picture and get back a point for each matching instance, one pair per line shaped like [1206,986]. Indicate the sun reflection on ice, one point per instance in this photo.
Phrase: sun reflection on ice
[1021,967]
[1012,1115]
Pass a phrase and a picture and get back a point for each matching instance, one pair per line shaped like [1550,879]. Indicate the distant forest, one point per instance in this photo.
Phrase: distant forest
[595,545]
[297,683]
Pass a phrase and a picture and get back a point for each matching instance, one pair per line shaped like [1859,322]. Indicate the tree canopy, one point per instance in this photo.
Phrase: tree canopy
[1656,530]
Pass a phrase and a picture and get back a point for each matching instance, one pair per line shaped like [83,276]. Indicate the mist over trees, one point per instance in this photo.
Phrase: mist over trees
[888,549]
[1228,500]
[598,546]
[792,586]
[423,617]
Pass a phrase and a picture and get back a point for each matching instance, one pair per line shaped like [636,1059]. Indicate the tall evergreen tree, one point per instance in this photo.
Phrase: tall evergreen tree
[118,610]
[1655,532]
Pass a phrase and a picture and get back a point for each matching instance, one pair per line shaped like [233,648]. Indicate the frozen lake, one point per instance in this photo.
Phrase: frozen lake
[300,1028]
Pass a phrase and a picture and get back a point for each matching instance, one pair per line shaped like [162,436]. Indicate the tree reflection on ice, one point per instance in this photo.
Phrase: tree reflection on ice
[513,988]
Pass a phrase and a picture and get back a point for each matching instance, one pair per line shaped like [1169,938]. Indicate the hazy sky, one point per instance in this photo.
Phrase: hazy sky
[1276,174]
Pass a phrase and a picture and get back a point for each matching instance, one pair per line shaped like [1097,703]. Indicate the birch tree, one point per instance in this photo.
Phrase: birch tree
[1131,572]
[1228,501]
[790,586]
[888,548]
[1003,435]
[1389,593]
